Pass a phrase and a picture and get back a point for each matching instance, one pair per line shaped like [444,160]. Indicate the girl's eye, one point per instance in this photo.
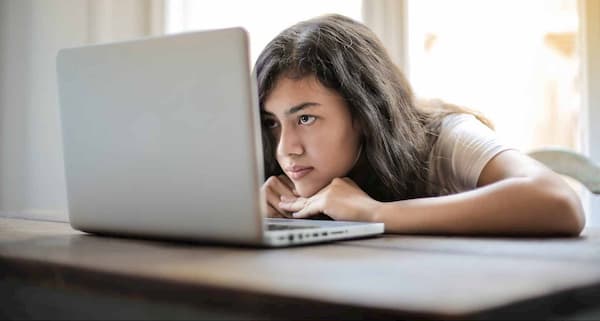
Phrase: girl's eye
[306,119]
[270,123]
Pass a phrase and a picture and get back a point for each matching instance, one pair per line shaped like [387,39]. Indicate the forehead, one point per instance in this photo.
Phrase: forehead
[289,92]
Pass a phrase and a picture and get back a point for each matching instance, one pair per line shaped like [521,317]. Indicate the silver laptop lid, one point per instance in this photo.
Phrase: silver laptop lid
[162,137]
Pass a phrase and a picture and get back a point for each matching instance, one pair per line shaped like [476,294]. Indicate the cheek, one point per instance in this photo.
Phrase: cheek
[337,152]
[274,149]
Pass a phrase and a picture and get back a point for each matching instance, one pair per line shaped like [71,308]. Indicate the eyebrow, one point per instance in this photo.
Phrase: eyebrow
[296,108]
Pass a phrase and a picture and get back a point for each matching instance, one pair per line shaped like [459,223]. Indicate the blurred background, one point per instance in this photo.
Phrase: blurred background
[530,66]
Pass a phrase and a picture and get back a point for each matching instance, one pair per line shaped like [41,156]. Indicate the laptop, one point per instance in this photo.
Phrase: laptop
[162,140]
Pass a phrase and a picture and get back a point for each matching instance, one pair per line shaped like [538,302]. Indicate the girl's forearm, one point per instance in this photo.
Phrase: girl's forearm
[515,206]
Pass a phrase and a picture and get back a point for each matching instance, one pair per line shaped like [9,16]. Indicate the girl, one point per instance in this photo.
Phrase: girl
[345,137]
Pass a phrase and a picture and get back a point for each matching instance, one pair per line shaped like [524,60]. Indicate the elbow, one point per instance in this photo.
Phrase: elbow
[575,215]
[559,210]
[568,213]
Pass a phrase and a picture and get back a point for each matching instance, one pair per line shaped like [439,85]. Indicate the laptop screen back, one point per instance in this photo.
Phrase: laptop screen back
[162,137]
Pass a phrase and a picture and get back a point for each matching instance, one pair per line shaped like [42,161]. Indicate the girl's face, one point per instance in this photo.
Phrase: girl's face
[316,138]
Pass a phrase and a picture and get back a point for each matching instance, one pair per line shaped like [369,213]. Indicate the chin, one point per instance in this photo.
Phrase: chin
[305,190]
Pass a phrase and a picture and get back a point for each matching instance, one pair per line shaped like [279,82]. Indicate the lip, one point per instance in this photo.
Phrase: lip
[297,172]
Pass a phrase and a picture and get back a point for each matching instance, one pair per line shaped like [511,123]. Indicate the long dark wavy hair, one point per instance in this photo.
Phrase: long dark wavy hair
[398,131]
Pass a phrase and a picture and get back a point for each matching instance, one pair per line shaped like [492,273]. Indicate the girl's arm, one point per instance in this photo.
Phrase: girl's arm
[517,196]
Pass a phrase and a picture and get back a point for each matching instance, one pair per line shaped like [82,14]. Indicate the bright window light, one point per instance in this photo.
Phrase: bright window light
[515,61]
[263,19]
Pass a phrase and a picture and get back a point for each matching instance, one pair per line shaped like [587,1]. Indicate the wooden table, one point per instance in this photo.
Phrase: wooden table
[50,270]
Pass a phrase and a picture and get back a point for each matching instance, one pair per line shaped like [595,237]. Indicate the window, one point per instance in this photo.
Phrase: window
[515,61]
[263,19]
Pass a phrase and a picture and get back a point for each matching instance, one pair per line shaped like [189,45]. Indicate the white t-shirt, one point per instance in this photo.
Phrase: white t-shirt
[463,148]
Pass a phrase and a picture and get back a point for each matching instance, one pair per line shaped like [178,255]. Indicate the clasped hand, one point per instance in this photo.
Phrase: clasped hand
[342,200]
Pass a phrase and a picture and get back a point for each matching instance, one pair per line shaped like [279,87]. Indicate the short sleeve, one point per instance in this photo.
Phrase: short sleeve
[464,146]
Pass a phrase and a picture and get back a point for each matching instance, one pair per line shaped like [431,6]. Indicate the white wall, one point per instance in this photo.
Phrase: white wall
[32,183]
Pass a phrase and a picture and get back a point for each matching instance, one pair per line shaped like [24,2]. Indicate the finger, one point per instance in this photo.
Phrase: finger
[279,188]
[272,212]
[292,204]
[271,191]
[301,207]
[288,182]
[273,199]
[309,210]
[282,187]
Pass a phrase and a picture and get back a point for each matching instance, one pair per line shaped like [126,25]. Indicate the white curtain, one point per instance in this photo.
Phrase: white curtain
[32,183]
[589,42]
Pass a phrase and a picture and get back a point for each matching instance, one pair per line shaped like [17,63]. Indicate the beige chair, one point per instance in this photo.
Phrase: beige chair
[569,163]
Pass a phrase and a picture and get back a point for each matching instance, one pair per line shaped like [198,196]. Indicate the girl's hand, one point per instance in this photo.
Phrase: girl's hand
[342,200]
[274,188]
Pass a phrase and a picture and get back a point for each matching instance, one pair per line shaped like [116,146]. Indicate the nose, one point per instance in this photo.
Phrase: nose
[290,143]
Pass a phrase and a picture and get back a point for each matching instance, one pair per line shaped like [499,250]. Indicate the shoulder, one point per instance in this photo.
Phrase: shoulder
[458,123]
[463,147]
[463,136]
[464,129]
